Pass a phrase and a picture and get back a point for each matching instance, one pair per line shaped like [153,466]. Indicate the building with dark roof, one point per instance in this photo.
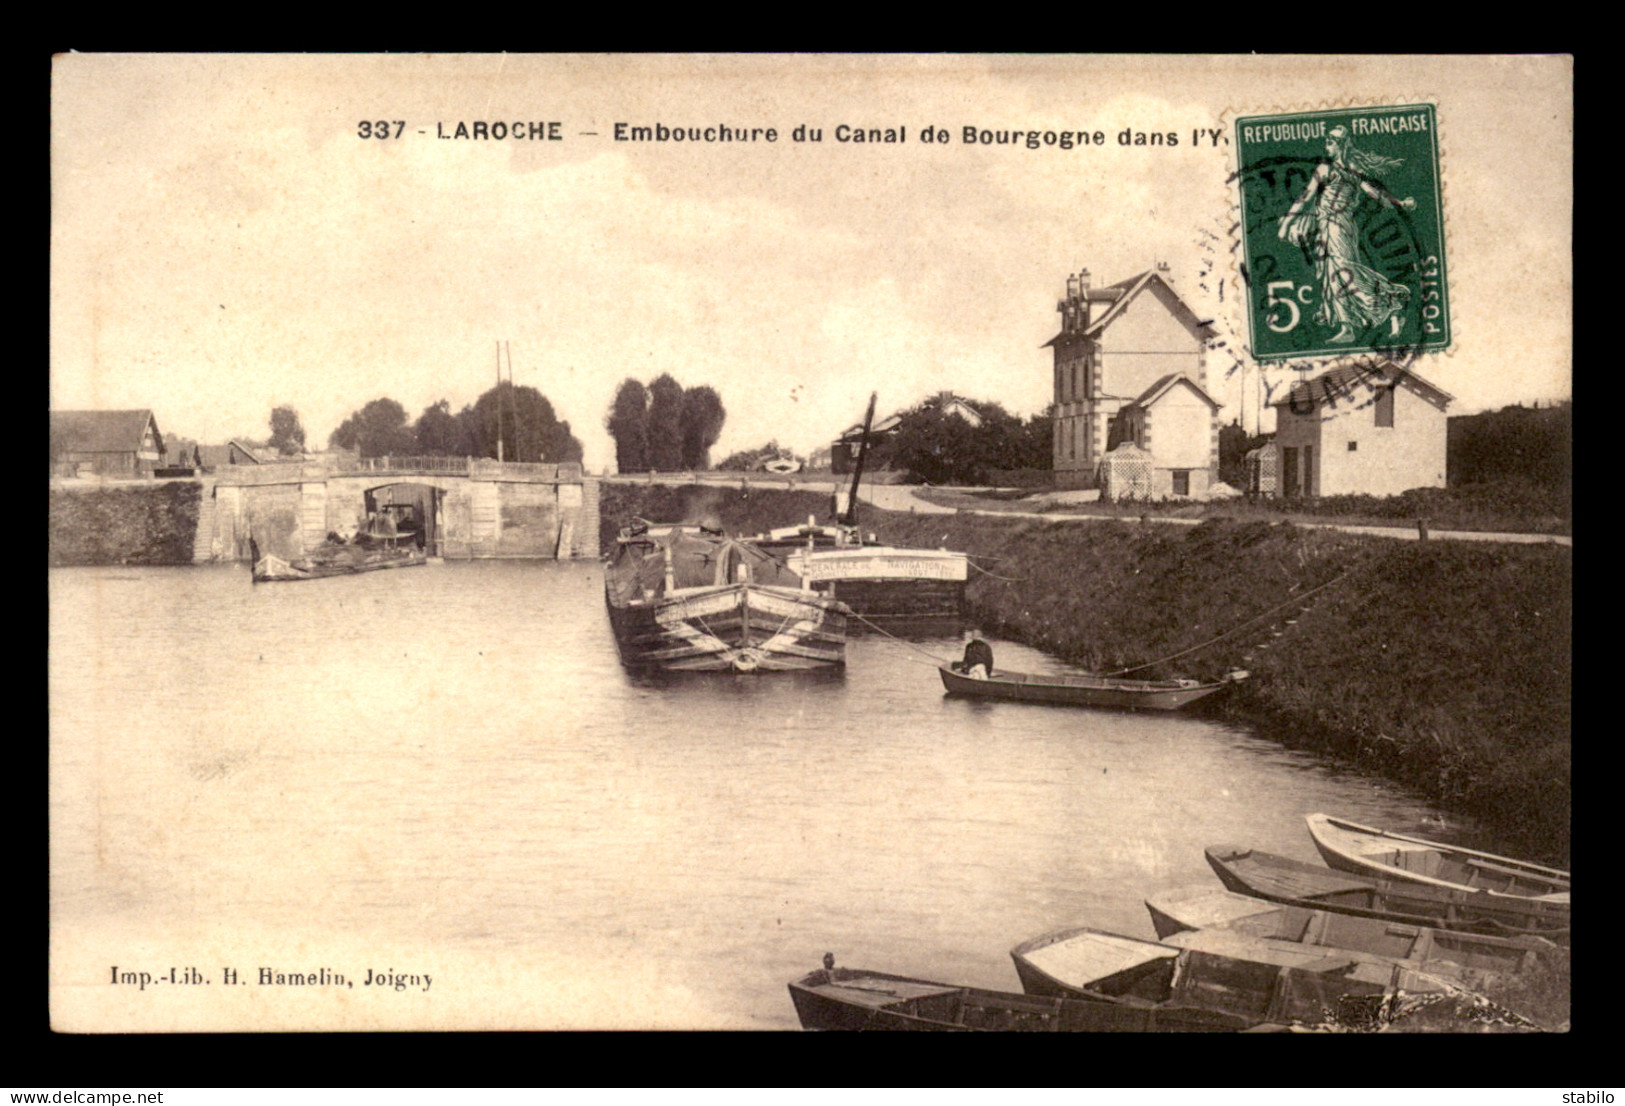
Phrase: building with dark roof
[1372,429]
[105,443]
[1131,367]
[234,452]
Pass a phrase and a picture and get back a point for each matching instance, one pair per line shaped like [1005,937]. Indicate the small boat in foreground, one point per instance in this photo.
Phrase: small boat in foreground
[1084,690]
[1211,919]
[846,998]
[1363,850]
[1255,978]
[1288,882]
[689,599]
[334,559]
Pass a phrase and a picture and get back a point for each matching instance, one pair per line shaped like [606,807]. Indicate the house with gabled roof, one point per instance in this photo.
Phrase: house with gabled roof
[1130,365]
[233,452]
[1368,428]
[105,443]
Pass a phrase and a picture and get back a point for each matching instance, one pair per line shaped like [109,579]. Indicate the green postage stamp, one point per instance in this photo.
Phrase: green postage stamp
[1343,232]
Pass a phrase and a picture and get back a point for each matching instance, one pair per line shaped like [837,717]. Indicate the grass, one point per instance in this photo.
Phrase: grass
[1504,506]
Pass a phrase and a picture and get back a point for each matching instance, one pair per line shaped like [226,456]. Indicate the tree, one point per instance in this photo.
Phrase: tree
[941,447]
[938,447]
[377,430]
[287,435]
[628,424]
[439,433]
[702,418]
[665,435]
[521,419]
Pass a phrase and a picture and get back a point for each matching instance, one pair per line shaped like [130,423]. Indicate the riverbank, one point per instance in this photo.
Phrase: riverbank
[1506,506]
[1443,666]
[131,524]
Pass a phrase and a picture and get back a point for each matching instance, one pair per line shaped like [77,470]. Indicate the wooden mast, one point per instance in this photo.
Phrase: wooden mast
[850,518]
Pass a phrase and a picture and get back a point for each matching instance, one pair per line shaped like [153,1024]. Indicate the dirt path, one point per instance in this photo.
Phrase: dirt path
[902,497]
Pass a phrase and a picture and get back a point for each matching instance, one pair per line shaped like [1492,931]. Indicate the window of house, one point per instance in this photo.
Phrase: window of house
[1354,447]
[1385,407]
[1182,482]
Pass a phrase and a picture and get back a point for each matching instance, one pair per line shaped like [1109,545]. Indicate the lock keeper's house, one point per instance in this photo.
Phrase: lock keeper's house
[1131,375]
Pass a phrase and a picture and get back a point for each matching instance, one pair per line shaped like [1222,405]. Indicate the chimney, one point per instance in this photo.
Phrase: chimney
[1162,266]
[1083,299]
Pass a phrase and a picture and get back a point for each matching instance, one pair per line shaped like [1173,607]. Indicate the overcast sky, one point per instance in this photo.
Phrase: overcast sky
[223,241]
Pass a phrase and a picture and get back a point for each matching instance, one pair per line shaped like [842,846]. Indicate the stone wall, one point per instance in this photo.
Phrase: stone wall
[134,524]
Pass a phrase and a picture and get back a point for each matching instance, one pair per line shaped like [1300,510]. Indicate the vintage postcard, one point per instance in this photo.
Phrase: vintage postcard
[597,347]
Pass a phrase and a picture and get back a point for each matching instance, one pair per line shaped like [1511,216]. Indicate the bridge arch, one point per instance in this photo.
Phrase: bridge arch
[487,510]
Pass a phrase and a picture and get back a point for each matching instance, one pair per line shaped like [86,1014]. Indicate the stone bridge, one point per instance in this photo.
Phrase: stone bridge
[468,507]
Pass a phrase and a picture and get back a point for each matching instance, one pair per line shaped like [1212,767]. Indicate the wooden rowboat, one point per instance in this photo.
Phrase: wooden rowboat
[846,998]
[1264,980]
[1084,690]
[1212,919]
[1351,847]
[1288,882]
[341,561]
[688,599]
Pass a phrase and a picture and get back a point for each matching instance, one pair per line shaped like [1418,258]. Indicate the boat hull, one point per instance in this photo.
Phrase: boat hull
[858,1000]
[1288,882]
[1077,691]
[1375,853]
[731,628]
[1193,916]
[888,584]
[1246,976]
[271,569]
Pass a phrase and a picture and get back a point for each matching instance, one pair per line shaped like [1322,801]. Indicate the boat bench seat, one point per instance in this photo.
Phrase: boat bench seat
[1501,869]
[881,992]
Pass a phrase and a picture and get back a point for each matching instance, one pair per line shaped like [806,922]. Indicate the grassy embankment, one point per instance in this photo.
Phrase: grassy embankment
[1508,506]
[132,524]
[1441,665]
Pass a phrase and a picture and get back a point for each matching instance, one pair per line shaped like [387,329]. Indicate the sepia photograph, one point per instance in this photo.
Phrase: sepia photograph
[1054,543]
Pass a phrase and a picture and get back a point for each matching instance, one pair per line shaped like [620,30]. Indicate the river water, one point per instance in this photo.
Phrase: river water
[445,772]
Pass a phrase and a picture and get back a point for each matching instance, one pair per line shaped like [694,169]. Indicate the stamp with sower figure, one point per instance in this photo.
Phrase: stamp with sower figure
[1342,224]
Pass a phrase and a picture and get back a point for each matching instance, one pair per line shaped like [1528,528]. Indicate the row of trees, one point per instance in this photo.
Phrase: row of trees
[517,417]
[664,427]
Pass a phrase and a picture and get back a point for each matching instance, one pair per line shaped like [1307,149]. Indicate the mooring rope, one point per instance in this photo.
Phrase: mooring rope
[996,576]
[935,660]
[1236,628]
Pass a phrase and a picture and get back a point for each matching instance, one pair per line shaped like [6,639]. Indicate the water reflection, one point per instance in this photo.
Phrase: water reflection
[453,763]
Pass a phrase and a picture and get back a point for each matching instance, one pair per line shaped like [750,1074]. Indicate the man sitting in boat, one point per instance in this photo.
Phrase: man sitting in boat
[978,660]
